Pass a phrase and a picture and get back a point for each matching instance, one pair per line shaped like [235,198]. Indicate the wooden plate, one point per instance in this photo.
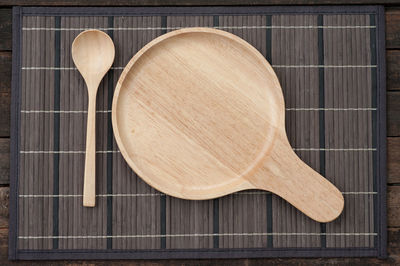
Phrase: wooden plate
[198,113]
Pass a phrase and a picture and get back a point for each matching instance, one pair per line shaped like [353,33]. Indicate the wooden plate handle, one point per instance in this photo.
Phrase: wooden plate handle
[286,175]
[89,184]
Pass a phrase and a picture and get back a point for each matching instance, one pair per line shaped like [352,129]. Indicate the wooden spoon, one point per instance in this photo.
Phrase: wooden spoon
[93,54]
[199,113]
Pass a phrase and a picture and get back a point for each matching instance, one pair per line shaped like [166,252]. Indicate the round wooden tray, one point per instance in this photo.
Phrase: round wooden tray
[199,113]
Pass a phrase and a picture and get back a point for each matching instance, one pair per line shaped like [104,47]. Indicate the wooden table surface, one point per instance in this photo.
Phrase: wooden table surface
[393,129]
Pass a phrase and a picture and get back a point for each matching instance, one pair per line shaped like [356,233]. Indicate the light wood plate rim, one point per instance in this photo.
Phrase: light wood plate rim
[235,184]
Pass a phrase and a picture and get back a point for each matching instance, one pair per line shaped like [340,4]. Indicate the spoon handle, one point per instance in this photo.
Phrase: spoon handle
[89,185]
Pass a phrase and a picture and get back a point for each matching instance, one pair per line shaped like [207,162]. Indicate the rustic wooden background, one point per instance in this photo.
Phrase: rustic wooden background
[392,9]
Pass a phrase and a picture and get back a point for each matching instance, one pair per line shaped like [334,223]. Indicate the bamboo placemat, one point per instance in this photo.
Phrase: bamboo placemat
[330,62]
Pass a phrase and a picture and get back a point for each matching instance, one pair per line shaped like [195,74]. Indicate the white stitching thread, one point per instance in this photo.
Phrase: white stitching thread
[331,109]
[218,27]
[324,66]
[359,193]
[275,66]
[160,194]
[295,149]
[334,149]
[198,235]
[62,152]
[101,195]
[60,111]
[58,68]
[109,111]
[48,68]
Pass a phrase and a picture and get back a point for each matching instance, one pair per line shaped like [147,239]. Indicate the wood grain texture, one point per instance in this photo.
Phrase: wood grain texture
[186,2]
[393,165]
[393,70]
[93,54]
[5,72]
[5,29]
[4,198]
[394,233]
[4,161]
[392,16]
[5,90]
[393,249]
[4,246]
[393,258]
[5,99]
[393,113]
[393,205]
[393,160]
[213,137]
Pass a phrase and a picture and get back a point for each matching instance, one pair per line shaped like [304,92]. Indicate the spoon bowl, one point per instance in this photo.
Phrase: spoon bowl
[93,54]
